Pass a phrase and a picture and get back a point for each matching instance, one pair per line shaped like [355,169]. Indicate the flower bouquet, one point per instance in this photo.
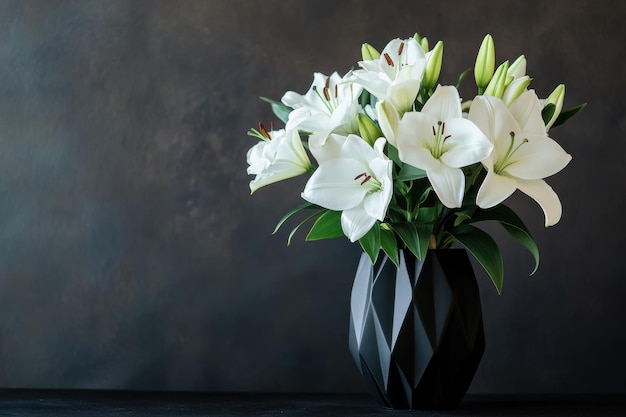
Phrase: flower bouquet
[397,161]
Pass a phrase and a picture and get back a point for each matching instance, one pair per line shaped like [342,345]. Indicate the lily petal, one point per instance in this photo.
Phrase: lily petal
[357,148]
[494,120]
[545,196]
[527,112]
[494,190]
[466,144]
[388,120]
[413,138]
[449,185]
[402,94]
[325,147]
[333,186]
[444,104]
[539,158]
[355,223]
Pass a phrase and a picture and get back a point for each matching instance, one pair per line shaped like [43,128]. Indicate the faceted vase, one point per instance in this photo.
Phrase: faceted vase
[416,332]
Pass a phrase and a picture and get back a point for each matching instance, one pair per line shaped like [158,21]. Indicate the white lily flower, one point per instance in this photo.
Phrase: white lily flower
[282,156]
[358,182]
[397,75]
[440,141]
[523,153]
[330,105]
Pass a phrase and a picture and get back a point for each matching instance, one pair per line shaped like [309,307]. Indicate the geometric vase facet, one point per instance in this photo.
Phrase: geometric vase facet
[416,331]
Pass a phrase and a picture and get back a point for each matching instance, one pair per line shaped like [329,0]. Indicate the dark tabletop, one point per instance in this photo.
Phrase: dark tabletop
[128,403]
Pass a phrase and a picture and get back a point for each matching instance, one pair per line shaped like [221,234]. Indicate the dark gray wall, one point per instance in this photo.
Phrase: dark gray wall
[133,256]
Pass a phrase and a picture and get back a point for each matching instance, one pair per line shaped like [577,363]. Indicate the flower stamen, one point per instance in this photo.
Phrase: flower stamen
[264,132]
[388,59]
[401,48]
[325,98]
[326,88]
[505,162]
[365,177]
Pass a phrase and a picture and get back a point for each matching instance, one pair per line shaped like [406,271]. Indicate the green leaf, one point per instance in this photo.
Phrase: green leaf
[392,153]
[462,77]
[409,173]
[371,242]
[548,112]
[484,249]
[295,229]
[460,218]
[280,110]
[513,225]
[364,99]
[567,114]
[425,231]
[301,207]
[421,189]
[390,245]
[416,236]
[408,235]
[327,226]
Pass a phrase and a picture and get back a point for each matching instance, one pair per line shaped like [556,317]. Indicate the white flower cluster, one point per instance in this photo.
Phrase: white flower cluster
[390,108]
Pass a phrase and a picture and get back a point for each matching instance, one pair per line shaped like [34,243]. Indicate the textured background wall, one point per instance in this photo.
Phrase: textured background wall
[132,255]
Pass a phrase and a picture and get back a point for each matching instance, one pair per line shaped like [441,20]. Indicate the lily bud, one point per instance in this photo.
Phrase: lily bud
[369,53]
[518,68]
[485,62]
[515,89]
[368,129]
[388,119]
[433,66]
[557,97]
[498,82]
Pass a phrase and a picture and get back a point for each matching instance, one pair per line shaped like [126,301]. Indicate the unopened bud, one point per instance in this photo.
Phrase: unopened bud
[368,129]
[485,63]
[557,97]
[518,68]
[498,82]
[369,53]
[433,66]
[515,89]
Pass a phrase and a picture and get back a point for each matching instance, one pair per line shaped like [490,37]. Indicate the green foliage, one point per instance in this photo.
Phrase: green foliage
[280,110]
[484,249]
[567,114]
[416,236]
[389,245]
[371,242]
[327,226]
[548,112]
[416,219]
[298,209]
[409,173]
[513,225]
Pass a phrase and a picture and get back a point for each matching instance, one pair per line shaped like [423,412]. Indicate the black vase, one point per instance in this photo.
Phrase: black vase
[416,332]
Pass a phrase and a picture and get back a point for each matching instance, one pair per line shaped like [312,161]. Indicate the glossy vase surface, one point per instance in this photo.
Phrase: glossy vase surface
[416,331]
